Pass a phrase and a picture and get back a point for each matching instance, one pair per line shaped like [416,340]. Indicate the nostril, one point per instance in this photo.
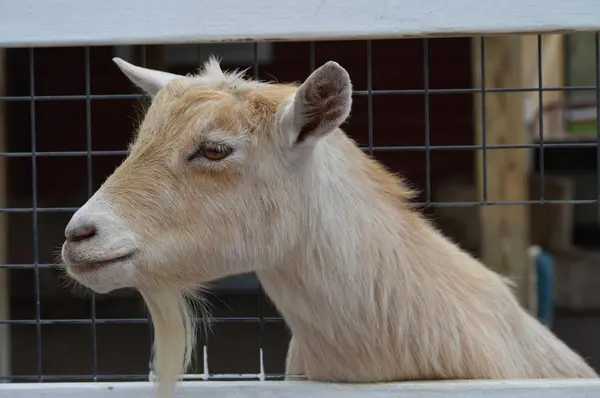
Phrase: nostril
[81,233]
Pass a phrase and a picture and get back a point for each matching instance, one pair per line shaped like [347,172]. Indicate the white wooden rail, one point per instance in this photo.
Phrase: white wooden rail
[44,23]
[76,22]
[255,389]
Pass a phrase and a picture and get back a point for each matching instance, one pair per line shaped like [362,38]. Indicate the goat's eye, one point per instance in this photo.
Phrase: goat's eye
[213,153]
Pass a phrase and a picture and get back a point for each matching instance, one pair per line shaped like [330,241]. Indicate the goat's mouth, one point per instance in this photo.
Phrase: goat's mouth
[91,266]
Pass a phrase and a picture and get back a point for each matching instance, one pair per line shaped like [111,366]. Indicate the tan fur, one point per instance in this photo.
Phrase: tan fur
[371,291]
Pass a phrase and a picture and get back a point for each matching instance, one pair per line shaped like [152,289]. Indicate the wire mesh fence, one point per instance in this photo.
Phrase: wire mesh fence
[419,127]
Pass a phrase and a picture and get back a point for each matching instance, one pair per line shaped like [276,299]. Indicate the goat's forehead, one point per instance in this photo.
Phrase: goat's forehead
[227,105]
[197,108]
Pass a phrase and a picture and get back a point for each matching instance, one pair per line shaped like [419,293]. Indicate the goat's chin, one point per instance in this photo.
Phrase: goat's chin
[105,278]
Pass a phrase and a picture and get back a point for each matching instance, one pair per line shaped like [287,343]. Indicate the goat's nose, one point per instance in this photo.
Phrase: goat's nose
[80,233]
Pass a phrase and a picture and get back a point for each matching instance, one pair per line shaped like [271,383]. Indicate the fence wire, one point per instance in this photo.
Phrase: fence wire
[94,321]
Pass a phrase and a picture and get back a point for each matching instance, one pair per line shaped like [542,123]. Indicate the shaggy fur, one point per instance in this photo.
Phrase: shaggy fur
[371,291]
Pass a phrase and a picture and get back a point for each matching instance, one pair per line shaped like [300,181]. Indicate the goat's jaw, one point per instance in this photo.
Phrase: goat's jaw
[102,275]
[99,251]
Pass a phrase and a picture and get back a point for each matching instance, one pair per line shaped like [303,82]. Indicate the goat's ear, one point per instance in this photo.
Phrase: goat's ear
[148,80]
[320,105]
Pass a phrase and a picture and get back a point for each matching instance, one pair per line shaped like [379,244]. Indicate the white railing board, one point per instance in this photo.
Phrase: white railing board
[274,389]
[76,22]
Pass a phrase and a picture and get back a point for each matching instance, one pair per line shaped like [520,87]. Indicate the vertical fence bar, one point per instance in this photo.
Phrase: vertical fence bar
[370,96]
[199,54]
[144,55]
[312,56]
[541,116]
[483,121]
[90,188]
[427,121]
[6,350]
[34,205]
[597,56]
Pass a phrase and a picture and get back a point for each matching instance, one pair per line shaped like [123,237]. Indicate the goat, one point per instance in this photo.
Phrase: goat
[228,175]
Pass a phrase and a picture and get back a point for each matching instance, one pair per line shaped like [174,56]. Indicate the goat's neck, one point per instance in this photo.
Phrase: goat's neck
[353,257]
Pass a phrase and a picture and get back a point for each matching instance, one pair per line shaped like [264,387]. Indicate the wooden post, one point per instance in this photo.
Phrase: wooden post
[553,75]
[5,354]
[504,228]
